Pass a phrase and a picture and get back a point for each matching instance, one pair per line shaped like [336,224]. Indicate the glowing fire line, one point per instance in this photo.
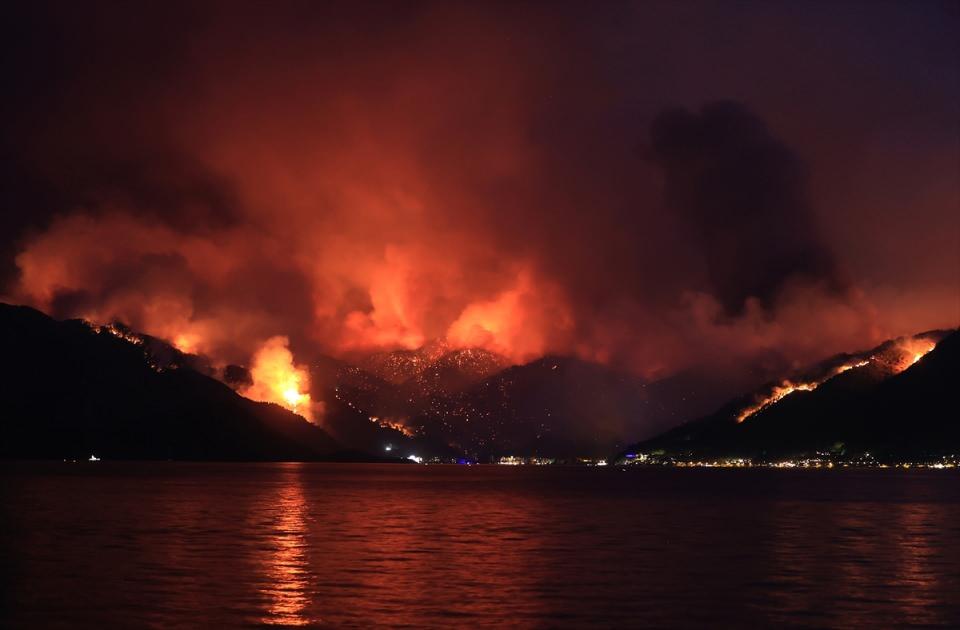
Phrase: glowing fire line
[787,387]
[387,423]
[911,351]
[117,332]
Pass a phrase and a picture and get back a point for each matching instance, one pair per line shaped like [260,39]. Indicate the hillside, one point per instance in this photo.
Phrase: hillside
[886,402]
[466,402]
[69,390]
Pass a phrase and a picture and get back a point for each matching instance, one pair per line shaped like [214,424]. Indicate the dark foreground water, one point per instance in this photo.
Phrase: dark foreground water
[220,545]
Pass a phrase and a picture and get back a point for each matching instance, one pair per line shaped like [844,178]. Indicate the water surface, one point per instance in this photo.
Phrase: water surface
[224,545]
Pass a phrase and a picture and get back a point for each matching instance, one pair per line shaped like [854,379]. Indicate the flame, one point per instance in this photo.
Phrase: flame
[188,343]
[787,387]
[276,379]
[387,423]
[911,350]
[404,224]
[120,333]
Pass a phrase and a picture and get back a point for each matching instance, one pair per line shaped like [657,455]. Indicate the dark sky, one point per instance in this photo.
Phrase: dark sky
[648,184]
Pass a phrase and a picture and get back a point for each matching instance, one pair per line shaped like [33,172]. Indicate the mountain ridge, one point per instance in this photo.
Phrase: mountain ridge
[70,390]
[878,407]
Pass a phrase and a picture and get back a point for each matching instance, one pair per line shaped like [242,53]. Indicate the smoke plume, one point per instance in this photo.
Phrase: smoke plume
[358,179]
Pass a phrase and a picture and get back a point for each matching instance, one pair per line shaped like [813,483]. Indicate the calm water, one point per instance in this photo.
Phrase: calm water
[163,545]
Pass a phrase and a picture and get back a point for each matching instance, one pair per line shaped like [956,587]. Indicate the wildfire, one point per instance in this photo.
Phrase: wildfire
[121,333]
[911,350]
[787,387]
[276,379]
[187,342]
[387,423]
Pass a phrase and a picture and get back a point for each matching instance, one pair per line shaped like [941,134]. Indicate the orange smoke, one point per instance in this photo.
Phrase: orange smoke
[394,318]
[398,194]
[277,380]
[515,323]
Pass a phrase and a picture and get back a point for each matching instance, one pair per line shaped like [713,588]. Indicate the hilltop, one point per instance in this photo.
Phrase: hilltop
[70,390]
[892,402]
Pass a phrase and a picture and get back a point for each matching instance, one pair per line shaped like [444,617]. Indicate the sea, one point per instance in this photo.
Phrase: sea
[225,545]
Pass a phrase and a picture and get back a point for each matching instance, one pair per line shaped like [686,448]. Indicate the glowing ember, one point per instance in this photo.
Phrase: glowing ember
[788,387]
[276,379]
[120,333]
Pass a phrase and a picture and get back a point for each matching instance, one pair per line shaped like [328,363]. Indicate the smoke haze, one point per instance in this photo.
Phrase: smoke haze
[642,188]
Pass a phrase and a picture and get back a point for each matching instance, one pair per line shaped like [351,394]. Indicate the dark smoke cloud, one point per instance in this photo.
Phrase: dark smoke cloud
[81,127]
[743,193]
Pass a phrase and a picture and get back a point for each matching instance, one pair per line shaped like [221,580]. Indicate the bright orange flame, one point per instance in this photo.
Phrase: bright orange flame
[788,387]
[911,350]
[276,379]
[187,342]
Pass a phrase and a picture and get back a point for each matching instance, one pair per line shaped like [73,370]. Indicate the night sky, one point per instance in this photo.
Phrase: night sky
[649,185]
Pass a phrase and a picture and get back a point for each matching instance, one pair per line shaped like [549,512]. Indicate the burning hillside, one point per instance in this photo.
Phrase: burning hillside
[122,395]
[276,379]
[894,357]
[787,387]
[895,400]
[406,230]
[470,401]
[495,182]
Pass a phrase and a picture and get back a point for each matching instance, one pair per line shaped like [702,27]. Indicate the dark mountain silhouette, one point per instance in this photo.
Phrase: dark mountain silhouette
[468,402]
[552,407]
[69,390]
[890,404]
[465,402]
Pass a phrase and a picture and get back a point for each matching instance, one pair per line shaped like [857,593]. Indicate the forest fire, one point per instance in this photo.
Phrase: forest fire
[277,380]
[911,350]
[907,352]
[120,333]
[257,258]
[787,387]
[387,423]
[187,342]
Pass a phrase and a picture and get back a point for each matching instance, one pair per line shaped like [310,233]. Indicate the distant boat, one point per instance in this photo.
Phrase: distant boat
[93,458]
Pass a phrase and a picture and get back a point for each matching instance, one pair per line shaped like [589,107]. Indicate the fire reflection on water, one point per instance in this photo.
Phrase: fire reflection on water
[286,563]
[228,545]
[395,554]
[919,592]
